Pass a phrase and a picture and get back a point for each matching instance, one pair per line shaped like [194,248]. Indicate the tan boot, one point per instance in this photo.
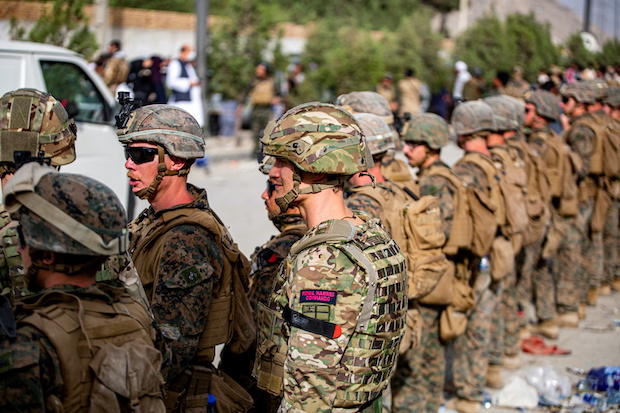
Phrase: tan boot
[548,329]
[568,320]
[494,377]
[592,297]
[511,362]
[615,284]
[605,290]
[464,405]
[581,312]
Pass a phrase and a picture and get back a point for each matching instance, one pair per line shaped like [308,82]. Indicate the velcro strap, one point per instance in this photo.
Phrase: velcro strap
[323,328]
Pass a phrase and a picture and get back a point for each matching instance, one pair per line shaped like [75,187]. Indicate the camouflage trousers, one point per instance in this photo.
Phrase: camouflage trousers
[591,272]
[470,351]
[535,282]
[566,269]
[610,242]
[505,321]
[417,384]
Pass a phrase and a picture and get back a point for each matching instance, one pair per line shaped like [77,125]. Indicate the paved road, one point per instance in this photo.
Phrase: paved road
[234,185]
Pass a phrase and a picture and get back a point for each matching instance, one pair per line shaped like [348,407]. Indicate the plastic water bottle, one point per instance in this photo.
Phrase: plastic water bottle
[605,378]
[211,407]
[484,265]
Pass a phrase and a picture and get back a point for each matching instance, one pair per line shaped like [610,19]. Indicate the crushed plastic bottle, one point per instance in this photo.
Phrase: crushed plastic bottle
[604,378]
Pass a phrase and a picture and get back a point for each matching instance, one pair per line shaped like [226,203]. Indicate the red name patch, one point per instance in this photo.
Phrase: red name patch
[318,296]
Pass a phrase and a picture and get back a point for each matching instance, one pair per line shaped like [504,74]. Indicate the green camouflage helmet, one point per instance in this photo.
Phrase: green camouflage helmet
[613,97]
[319,138]
[367,102]
[379,135]
[168,126]
[34,121]
[509,112]
[579,91]
[471,117]
[599,87]
[66,213]
[547,104]
[429,128]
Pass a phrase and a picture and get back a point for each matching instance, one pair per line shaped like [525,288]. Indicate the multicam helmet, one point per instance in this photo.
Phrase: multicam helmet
[319,138]
[168,126]
[428,128]
[472,117]
[509,112]
[379,135]
[66,213]
[367,102]
[547,104]
[579,91]
[34,121]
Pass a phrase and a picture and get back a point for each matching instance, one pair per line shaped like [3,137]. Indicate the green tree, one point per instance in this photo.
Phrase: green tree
[64,25]
[577,51]
[610,55]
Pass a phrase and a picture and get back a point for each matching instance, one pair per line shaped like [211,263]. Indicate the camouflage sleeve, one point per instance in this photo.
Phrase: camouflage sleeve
[472,175]
[443,190]
[361,202]
[581,139]
[326,285]
[29,371]
[190,266]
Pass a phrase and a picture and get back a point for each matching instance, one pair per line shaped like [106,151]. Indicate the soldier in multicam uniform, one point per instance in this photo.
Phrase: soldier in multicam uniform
[613,104]
[472,122]
[561,243]
[185,256]
[419,379]
[587,120]
[372,102]
[34,124]
[329,337]
[68,225]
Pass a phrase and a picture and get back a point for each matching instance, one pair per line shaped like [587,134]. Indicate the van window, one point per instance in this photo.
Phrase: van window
[66,81]
[10,73]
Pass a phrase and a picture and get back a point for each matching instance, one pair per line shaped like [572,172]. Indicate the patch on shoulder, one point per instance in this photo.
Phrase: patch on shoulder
[318,296]
[318,311]
[191,275]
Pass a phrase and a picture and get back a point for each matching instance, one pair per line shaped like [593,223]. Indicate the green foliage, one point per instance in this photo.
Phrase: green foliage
[578,52]
[610,55]
[520,40]
[64,25]
[237,44]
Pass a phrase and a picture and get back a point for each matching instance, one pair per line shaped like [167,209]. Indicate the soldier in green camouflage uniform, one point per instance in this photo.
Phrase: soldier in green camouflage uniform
[581,137]
[371,102]
[327,322]
[612,270]
[418,382]
[182,251]
[558,255]
[34,121]
[472,122]
[68,224]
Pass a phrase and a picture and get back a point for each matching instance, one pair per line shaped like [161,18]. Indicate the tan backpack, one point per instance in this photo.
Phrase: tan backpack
[605,160]
[415,224]
[107,357]
[563,166]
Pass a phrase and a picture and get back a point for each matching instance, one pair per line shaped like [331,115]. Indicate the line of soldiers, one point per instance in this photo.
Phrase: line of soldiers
[359,302]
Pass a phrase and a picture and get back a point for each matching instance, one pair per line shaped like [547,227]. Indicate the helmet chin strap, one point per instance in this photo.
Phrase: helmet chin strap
[162,171]
[285,201]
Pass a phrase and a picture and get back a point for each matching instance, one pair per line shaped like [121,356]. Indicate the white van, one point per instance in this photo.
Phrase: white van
[67,76]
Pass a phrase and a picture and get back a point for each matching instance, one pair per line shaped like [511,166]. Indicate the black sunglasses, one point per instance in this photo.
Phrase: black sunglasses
[270,188]
[565,99]
[140,154]
[20,237]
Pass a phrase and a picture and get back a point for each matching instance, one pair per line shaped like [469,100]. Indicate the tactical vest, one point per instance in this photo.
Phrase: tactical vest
[473,224]
[262,92]
[563,166]
[230,314]
[605,159]
[373,346]
[513,185]
[396,170]
[80,329]
[538,194]
[416,226]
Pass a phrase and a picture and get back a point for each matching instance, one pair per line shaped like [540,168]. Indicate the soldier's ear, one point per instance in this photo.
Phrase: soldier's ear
[49,257]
